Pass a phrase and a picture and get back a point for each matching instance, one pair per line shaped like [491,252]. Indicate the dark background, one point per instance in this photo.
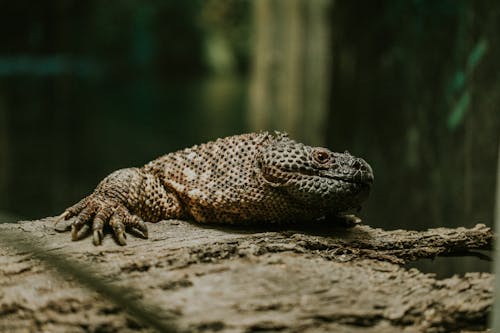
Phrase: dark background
[87,87]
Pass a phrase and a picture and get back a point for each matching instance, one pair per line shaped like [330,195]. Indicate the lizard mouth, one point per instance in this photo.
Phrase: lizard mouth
[356,173]
[356,179]
[360,177]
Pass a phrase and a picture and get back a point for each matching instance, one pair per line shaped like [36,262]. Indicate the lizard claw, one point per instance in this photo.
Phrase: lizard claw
[62,217]
[349,220]
[118,229]
[120,237]
[97,226]
[79,234]
[143,228]
[139,225]
[97,237]
[74,233]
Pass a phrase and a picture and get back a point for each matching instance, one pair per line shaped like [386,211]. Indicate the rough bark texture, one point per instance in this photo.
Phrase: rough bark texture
[212,278]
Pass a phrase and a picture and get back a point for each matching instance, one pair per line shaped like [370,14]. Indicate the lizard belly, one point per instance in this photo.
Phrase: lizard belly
[237,206]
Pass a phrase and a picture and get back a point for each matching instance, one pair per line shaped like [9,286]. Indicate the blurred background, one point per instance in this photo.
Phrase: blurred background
[87,87]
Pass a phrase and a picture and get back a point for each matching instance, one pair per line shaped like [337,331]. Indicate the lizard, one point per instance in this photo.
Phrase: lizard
[248,178]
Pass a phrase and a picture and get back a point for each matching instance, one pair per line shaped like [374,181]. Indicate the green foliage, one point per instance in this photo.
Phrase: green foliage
[457,83]
[477,54]
[459,86]
[457,114]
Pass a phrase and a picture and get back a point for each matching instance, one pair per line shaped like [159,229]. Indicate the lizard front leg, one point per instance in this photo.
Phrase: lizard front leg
[122,200]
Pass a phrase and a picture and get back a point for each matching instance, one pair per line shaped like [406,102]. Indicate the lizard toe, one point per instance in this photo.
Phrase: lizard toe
[135,224]
[97,229]
[79,227]
[123,221]
[118,227]
[72,211]
[76,209]
[348,220]
[101,218]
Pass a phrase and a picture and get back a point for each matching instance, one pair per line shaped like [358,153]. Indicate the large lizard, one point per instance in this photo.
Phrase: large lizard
[256,177]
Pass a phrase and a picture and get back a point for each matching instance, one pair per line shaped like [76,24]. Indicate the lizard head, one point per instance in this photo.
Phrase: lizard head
[315,176]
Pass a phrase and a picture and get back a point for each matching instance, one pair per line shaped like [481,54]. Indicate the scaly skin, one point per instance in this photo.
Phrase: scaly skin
[249,178]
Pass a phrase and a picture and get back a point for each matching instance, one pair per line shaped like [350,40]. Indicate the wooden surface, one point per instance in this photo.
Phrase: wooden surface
[217,279]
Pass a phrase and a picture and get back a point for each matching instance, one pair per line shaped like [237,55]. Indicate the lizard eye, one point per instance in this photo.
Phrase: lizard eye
[321,156]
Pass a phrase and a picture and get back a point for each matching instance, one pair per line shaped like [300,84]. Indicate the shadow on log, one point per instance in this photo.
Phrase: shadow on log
[208,279]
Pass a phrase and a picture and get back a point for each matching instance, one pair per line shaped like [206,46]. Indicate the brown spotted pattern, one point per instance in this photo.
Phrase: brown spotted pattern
[256,177]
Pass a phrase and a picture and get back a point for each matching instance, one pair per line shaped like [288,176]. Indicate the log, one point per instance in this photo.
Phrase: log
[207,278]
[495,320]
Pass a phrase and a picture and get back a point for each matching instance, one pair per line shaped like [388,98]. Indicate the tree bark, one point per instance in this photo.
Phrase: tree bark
[244,279]
[291,65]
[495,322]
